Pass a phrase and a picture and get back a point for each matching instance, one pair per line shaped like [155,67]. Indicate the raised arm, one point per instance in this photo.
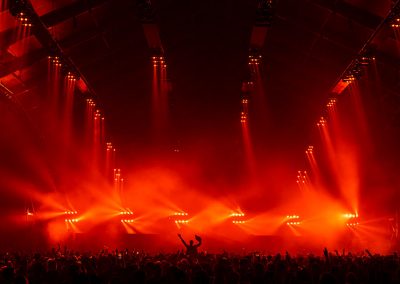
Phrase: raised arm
[182,240]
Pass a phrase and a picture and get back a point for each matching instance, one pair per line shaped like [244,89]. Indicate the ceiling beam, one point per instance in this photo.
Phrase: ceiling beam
[356,14]
[51,19]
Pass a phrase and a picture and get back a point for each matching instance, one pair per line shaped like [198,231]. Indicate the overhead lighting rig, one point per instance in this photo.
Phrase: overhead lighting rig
[23,11]
[264,13]
[394,17]
[238,217]
[254,57]
[145,10]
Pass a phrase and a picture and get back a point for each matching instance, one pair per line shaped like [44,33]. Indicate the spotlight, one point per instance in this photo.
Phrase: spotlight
[352,219]
[365,60]
[181,214]
[331,103]
[158,60]
[180,218]
[254,57]
[302,177]
[243,117]
[321,122]
[71,76]
[394,17]
[293,220]
[238,217]
[309,150]
[127,211]
[395,23]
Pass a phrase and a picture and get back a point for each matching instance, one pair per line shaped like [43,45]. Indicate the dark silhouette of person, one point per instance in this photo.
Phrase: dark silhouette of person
[191,248]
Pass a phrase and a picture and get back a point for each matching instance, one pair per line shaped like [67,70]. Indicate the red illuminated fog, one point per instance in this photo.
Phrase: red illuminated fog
[241,175]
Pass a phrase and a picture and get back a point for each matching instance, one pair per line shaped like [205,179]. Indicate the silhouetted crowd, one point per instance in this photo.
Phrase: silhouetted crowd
[120,267]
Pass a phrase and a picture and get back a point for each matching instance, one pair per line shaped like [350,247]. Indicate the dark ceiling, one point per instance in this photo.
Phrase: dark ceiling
[206,43]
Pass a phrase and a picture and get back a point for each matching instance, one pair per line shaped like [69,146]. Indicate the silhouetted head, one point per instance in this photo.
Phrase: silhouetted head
[191,242]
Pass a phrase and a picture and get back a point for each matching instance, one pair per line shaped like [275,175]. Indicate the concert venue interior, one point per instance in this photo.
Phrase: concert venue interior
[260,124]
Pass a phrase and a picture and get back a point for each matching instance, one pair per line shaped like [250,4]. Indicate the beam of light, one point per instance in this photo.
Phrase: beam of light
[69,90]
[110,160]
[160,89]
[303,181]
[315,170]
[360,116]
[247,143]
[256,86]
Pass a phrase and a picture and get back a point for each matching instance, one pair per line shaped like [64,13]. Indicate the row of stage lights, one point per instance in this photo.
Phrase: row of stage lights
[25,14]
[180,214]
[236,218]
[301,177]
[159,61]
[58,62]
[24,19]
[352,73]
[331,103]
[254,59]
[292,220]
[394,18]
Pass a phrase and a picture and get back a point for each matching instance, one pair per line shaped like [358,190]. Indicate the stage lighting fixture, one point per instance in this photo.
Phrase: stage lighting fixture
[395,23]
[126,212]
[23,19]
[159,60]
[97,114]
[352,219]
[243,117]
[293,220]
[127,221]
[72,76]
[365,60]
[321,122]
[394,17]
[310,150]
[180,218]
[349,215]
[55,60]
[23,11]
[301,177]
[331,103]
[254,59]
[71,220]
[181,214]
[238,217]
[109,146]
[90,102]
